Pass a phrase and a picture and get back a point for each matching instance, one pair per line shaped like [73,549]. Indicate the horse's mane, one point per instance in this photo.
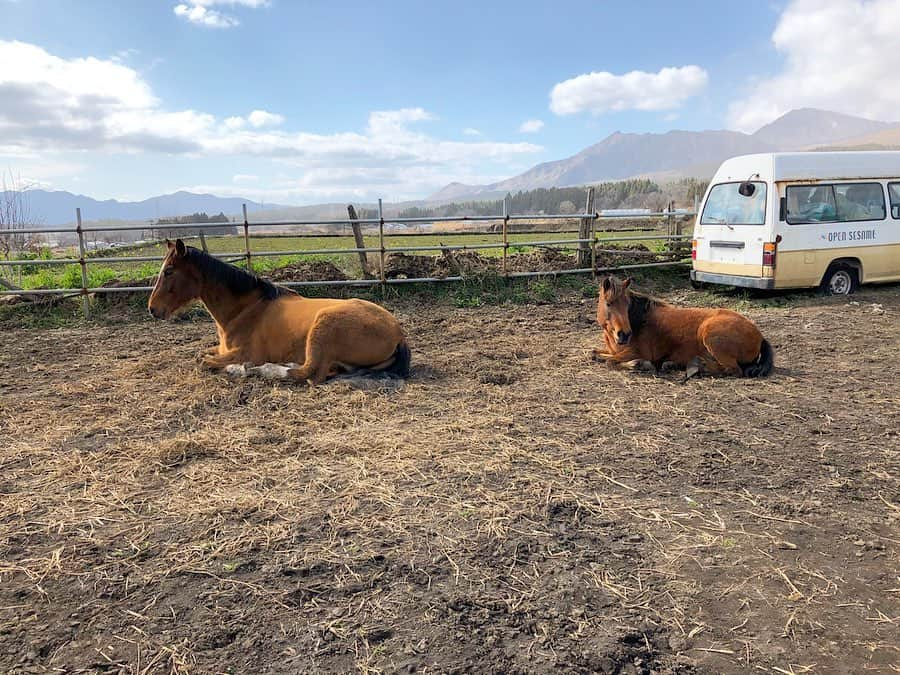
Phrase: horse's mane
[639,308]
[233,278]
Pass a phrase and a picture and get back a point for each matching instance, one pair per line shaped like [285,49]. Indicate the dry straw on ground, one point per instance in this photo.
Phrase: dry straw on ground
[514,507]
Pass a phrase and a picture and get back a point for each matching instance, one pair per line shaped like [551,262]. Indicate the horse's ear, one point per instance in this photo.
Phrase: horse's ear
[626,283]
[607,284]
[170,244]
[180,248]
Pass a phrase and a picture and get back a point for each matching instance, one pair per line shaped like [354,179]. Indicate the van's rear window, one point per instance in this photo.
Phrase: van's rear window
[727,206]
[839,203]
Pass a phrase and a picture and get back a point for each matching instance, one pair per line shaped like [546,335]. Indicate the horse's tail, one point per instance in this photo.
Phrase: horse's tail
[762,365]
[398,368]
[402,358]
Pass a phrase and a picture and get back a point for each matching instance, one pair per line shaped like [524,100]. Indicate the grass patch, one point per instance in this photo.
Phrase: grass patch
[69,276]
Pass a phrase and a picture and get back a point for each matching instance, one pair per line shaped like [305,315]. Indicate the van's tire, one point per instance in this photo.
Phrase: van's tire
[696,285]
[840,279]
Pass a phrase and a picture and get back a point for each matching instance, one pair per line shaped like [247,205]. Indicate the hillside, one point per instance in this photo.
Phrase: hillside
[886,139]
[808,127]
[677,154]
[58,208]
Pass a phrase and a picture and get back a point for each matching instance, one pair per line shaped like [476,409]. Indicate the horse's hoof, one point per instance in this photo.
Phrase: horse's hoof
[598,356]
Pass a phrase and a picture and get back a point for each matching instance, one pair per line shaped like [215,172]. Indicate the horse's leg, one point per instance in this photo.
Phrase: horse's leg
[642,365]
[627,359]
[721,360]
[602,355]
[219,361]
[317,366]
[271,371]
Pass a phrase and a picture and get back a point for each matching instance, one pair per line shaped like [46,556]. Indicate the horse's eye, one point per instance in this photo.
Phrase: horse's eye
[168,271]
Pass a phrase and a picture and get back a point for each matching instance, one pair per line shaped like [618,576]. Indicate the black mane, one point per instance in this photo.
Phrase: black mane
[233,278]
[639,308]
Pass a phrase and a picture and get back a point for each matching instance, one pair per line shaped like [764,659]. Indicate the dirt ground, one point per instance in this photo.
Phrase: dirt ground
[513,508]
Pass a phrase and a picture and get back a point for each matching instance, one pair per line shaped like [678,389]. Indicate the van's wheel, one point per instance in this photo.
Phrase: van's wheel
[840,279]
[696,285]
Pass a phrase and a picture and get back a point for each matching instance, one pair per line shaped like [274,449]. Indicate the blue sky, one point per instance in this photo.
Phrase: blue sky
[357,100]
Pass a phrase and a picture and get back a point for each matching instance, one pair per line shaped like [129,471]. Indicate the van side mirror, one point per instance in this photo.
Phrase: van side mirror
[746,189]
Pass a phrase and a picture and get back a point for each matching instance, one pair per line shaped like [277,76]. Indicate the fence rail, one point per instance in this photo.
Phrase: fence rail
[587,237]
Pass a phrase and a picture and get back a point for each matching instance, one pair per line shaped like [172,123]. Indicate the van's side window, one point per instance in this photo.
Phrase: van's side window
[894,189]
[727,206]
[845,202]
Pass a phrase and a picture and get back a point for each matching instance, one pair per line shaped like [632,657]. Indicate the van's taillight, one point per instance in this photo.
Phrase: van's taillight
[769,255]
[693,249]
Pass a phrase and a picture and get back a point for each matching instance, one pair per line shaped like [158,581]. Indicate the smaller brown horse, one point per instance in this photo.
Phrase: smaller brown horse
[641,332]
[261,323]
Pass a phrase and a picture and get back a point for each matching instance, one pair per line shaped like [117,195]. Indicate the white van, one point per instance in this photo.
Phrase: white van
[800,220]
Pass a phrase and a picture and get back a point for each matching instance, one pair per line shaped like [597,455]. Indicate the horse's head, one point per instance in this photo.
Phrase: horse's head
[177,284]
[612,309]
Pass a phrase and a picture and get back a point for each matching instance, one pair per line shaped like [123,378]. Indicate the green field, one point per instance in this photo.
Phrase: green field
[69,276]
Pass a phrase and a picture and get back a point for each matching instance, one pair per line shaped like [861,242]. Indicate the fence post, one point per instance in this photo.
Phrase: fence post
[85,305]
[594,245]
[670,223]
[381,246]
[584,228]
[360,242]
[505,236]
[247,239]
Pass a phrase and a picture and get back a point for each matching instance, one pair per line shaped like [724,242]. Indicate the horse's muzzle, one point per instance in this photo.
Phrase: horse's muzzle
[156,313]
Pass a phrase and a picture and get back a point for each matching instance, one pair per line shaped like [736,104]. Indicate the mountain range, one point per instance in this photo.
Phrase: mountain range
[684,153]
[662,157]
[58,207]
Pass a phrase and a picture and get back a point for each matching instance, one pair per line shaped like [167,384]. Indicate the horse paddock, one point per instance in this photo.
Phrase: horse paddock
[513,507]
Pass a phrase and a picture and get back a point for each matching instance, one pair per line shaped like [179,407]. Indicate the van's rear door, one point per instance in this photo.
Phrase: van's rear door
[731,228]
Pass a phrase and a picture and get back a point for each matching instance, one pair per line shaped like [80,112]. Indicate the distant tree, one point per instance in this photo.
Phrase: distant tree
[416,212]
[202,217]
[615,194]
[15,213]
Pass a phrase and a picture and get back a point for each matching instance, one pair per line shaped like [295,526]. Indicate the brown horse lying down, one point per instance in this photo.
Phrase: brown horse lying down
[641,332]
[260,323]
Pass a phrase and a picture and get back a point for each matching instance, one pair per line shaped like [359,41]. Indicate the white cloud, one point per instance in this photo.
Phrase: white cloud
[262,118]
[531,126]
[124,55]
[234,123]
[35,171]
[201,16]
[841,55]
[200,12]
[256,119]
[603,92]
[326,183]
[244,178]
[252,4]
[469,131]
[50,105]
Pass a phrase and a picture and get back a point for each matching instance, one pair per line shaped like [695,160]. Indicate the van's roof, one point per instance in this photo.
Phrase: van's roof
[781,166]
